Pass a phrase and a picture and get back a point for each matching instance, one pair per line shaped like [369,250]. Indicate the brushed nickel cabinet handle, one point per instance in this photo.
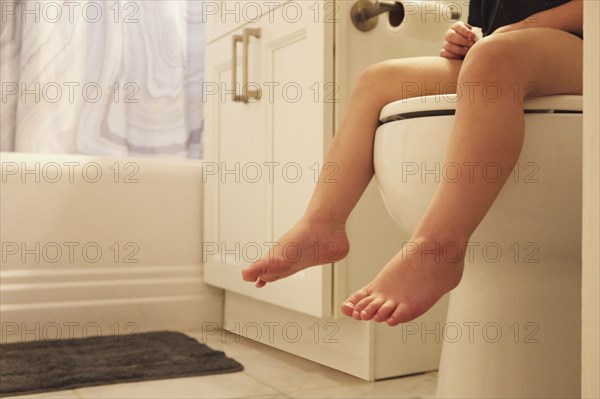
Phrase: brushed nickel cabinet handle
[247,94]
[235,40]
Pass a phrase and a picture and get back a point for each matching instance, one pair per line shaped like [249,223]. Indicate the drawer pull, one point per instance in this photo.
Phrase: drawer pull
[247,94]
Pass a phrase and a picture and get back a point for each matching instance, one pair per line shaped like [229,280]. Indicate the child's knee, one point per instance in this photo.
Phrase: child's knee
[386,81]
[490,58]
[374,75]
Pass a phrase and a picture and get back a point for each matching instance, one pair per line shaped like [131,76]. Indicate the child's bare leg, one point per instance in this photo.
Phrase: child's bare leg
[352,152]
[484,132]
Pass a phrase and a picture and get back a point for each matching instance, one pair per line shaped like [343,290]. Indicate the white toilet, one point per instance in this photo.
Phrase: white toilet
[513,325]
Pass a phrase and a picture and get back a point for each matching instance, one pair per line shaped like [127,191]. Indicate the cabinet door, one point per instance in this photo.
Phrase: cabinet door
[267,153]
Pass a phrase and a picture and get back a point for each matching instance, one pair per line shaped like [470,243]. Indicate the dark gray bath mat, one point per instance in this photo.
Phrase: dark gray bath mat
[43,366]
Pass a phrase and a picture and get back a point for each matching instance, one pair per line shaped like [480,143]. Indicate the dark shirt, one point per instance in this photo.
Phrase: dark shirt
[489,15]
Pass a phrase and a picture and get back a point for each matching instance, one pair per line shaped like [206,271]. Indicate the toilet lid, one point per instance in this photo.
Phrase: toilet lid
[446,105]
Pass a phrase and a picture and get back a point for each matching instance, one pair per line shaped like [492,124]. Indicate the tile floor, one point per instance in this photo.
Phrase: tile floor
[268,373]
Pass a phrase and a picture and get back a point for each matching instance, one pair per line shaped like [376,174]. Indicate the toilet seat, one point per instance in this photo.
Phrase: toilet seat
[445,104]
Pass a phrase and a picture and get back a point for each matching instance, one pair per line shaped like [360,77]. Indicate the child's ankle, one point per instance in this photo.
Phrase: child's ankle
[324,220]
[450,248]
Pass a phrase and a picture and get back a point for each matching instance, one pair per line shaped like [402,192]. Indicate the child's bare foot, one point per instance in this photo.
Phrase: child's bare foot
[308,243]
[411,282]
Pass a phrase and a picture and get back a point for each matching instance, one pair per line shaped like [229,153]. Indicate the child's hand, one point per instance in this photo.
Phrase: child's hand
[459,40]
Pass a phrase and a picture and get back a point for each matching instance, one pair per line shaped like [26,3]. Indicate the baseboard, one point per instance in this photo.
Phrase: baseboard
[73,303]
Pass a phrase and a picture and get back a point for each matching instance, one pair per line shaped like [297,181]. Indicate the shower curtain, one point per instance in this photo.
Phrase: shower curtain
[104,77]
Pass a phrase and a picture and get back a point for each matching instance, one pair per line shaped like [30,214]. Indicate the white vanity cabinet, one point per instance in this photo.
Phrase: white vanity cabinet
[262,157]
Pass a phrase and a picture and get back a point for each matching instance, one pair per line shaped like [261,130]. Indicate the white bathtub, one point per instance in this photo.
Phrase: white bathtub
[84,254]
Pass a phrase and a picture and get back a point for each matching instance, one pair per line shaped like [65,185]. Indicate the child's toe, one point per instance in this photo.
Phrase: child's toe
[347,308]
[358,296]
[370,310]
[399,315]
[362,304]
[253,272]
[385,311]
[260,283]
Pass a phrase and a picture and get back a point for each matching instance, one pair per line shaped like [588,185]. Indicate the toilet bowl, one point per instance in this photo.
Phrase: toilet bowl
[513,325]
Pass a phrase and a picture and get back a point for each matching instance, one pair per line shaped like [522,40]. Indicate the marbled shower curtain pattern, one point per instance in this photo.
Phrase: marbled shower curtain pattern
[104,77]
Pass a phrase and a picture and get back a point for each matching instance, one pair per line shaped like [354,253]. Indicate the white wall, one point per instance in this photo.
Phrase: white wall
[590,387]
